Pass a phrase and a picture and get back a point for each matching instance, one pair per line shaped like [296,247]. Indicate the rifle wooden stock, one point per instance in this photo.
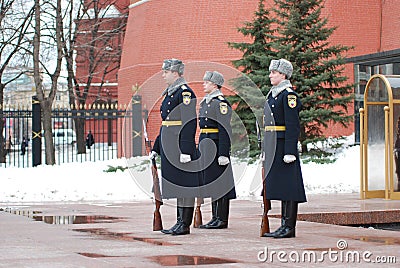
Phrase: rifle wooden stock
[198,218]
[157,221]
[267,206]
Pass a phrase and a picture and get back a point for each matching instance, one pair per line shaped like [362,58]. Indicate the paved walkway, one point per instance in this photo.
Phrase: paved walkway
[101,234]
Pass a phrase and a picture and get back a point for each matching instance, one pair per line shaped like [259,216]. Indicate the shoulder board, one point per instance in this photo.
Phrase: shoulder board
[222,99]
[288,89]
[183,87]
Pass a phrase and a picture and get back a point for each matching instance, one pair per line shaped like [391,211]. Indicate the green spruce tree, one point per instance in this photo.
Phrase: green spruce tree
[296,31]
[303,39]
[257,53]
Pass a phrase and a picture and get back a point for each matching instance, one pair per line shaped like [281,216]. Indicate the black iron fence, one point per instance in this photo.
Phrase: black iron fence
[111,126]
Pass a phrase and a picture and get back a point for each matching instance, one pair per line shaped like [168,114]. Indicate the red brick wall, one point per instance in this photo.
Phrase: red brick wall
[104,59]
[390,25]
[357,25]
[200,30]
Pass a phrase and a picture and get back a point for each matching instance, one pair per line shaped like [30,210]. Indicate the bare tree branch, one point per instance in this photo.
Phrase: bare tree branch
[53,12]
[14,23]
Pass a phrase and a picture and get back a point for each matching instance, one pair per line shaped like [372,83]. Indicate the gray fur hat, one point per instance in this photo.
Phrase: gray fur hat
[214,77]
[173,65]
[283,66]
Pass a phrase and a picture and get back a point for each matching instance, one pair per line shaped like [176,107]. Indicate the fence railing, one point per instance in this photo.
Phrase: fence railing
[111,127]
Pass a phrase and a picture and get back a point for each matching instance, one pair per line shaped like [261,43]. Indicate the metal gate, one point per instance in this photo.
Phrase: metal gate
[112,127]
[379,154]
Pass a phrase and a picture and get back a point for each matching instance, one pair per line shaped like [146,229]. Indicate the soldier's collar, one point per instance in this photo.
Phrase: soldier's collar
[275,90]
[171,89]
[212,95]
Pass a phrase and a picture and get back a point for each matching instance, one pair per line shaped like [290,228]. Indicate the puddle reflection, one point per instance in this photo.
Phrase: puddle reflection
[123,236]
[62,219]
[72,219]
[317,249]
[180,260]
[26,213]
[96,255]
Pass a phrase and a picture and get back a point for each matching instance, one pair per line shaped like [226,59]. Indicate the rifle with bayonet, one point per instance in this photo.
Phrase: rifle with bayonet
[266,203]
[266,207]
[157,221]
[198,218]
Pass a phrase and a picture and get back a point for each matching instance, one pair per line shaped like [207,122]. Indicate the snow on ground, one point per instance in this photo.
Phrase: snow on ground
[88,181]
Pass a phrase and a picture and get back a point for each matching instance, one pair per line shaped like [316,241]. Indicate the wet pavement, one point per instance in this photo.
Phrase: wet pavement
[119,234]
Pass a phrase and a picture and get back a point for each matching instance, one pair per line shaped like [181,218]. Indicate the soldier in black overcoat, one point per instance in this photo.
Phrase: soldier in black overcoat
[176,145]
[215,144]
[89,139]
[284,180]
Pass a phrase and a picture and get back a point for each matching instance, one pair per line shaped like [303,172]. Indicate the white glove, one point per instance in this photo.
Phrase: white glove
[289,158]
[152,155]
[223,160]
[185,158]
[396,153]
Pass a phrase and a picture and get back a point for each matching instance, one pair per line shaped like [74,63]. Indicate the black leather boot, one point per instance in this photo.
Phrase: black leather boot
[214,215]
[283,221]
[184,226]
[179,213]
[222,215]
[289,229]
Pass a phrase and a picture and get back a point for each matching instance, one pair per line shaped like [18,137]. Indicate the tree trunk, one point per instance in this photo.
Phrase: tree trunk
[2,140]
[80,135]
[48,133]
[46,102]
[303,136]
